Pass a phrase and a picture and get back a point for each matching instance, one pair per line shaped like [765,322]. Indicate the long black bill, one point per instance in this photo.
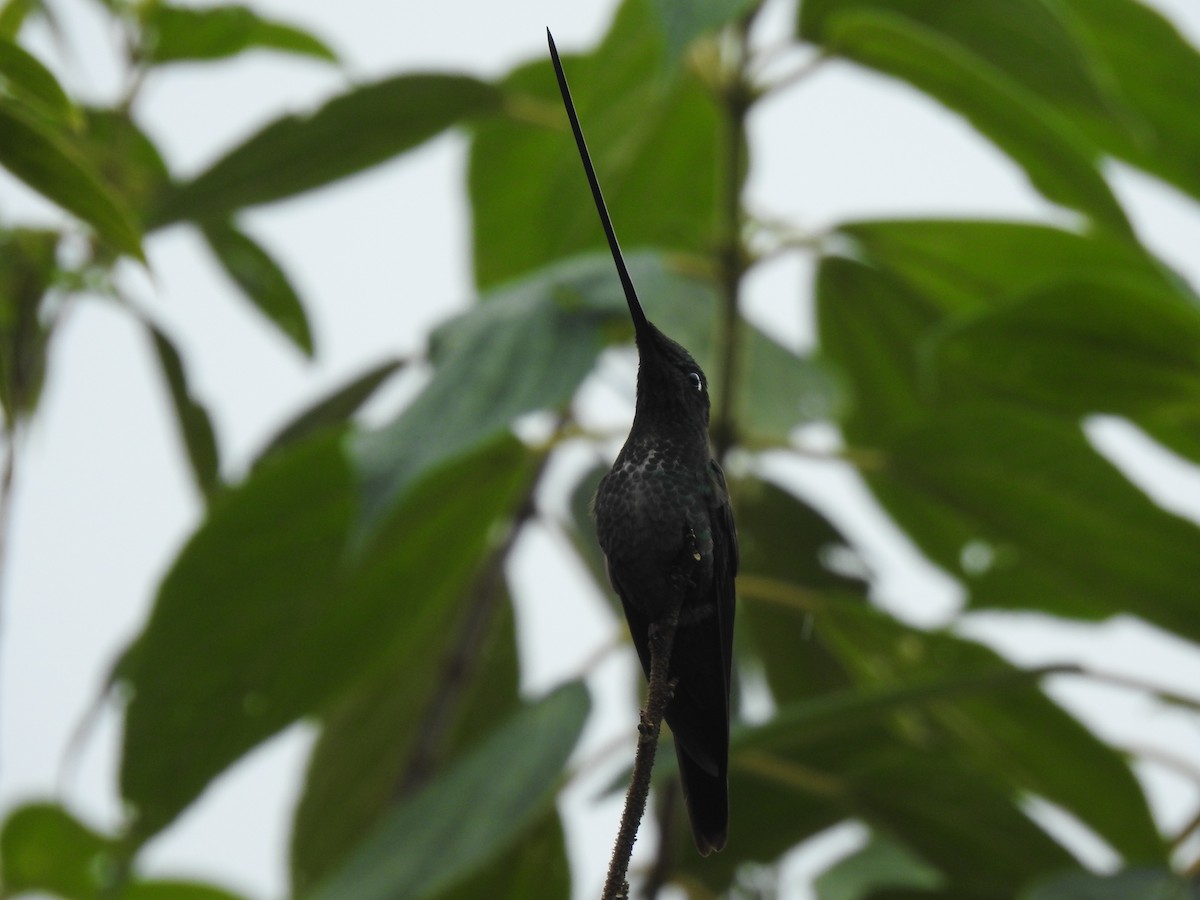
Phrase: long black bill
[640,325]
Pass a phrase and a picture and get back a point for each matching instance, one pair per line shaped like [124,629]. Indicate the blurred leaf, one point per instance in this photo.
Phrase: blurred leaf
[473,813]
[214,32]
[195,426]
[1026,514]
[536,869]
[44,848]
[126,158]
[351,132]
[1116,71]
[1058,160]
[27,268]
[1020,736]
[365,753]
[966,265]
[1078,348]
[175,890]
[682,23]
[1153,76]
[787,553]
[526,347]
[45,159]
[334,409]
[265,617]
[1131,884]
[654,142]
[25,77]
[13,14]
[881,863]
[870,324]
[262,281]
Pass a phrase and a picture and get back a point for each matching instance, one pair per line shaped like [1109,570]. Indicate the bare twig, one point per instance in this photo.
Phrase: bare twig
[658,695]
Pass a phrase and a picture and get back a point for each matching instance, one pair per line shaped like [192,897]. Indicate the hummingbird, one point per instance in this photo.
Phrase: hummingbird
[665,526]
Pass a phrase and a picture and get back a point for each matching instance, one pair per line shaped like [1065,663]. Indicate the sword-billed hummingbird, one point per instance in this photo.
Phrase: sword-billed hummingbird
[666,528]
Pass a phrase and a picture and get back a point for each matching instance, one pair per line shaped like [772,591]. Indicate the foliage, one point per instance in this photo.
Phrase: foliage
[355,576]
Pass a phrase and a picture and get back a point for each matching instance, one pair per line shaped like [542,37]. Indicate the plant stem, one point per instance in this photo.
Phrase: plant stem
[658,695]
[736,97]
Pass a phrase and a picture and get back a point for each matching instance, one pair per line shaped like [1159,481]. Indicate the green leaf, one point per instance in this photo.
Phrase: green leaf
[473,813]
[45,159]
[262,281]
[682,23]
[24,76]
[1020,736]
[125,157]
[1026,514]
[493,364]
[226,660]
[1152,74]
[13,14]
[536,869]
[967,265]
[1078,348]
[27,268]
[364,762]
[1116,71]
[334,409]
[44,848]
[215,32]
[870,324]
[1131,884]
[175,890]
[882,863]
[785,572]
[1058,160]
[195,426]
[654,142]
[351,132]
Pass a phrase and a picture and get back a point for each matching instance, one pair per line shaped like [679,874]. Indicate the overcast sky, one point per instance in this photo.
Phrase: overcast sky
[103,502]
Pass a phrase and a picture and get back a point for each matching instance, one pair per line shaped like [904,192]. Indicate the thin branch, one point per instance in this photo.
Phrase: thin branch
[736,98]
[658,695]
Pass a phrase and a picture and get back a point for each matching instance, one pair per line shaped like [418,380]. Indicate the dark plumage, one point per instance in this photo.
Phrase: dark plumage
[665,525]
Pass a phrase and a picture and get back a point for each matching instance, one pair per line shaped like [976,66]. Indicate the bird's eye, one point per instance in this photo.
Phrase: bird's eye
[696,380]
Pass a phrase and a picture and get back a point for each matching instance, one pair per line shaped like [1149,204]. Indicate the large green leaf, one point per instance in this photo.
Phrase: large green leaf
[1026,514]
[125,157]
[1131,884]
[472,814]
[1116,71]
[535,869]
[1020,736]
[262,281]
[364,762]
[352,132]
[1078,348]
[24,76]
[265,616]
[1057,158]
[654,141]
[526,347]
[176,33]
[871,324]
[881,863]
[787,548]
[46,158]
[965,265]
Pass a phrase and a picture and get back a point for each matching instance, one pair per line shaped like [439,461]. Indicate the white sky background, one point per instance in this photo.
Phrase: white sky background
[104,502]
